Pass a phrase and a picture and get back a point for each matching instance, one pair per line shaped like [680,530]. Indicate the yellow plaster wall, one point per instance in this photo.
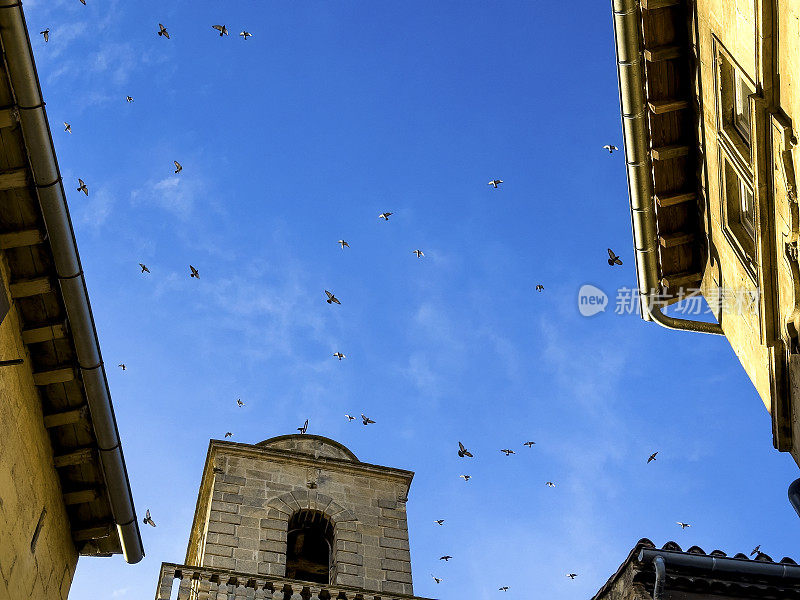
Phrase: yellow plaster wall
[28,483]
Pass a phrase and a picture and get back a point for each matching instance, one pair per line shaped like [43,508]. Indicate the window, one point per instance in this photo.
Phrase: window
[739,212]
[309,547]
[742,90]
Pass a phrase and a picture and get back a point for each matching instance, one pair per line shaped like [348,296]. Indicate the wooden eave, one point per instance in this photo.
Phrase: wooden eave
[50,349]
[673,117]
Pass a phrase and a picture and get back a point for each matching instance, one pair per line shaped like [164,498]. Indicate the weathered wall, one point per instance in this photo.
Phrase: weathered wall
[252,496]
[28,484]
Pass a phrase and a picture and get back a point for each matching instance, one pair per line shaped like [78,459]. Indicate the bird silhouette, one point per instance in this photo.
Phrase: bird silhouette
[122,366]
[439,521]
[385,216]
[304,428]
[445,558]
[572,575]
[756,550]
[144,268]
[67,127]
[652,457]
[83,2]
[683,525]
[610,148]
[613,259]
[339,355]
[222,29]
[496,183]
[344,244]
[529,444]
[228,434]
[365,419]
[539,288]
[350,417]
[194,272]
[162,31]
[503,589]
[239,402]
[418,253]
[507,451]
[178,166]
[46,35]
[550,484]
[462,451]
[437,579]
[148,520]
[466,477]
[331,298]
[128,99]
[82,187]
[246,34]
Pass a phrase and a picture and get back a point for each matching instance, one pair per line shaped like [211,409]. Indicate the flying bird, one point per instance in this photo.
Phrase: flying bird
[83,2]
[46,35]
[550,484]
[756,550]
[529,444]
[439,521]
[178,166]
[228,434]
[572,575]
[162,31]
[67,127]
[466,477]
[365,419]
[339,355]
[503,589]
[122,366]
[613,259]
[344,244]
[350,417]
[148,520]
[304,428]
[385,216]
[194,272]
[82,187]
[445,558]
[418,253]
[331,298]
[496,183]
[539,287]
[507,451]
[221,28]
[683,525]
[652,457]
[246,34]
[128,99]
[144,268]
[610,148]
[436,579]
[239,402]
[462,451]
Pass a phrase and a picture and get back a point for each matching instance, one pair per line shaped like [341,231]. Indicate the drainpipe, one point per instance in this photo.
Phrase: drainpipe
[47,178]
[719,564]
[637,159]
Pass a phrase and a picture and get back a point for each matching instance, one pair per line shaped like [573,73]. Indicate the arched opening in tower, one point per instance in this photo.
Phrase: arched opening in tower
[309,547]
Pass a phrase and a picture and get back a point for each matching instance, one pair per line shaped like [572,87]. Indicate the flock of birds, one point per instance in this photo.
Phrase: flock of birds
[463,452]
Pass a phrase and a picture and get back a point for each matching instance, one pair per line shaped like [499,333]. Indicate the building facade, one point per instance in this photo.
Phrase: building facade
[294,516]
[64,488]
[710,110]
[669,573]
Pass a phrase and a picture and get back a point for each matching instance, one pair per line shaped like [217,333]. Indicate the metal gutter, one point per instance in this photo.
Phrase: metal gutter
[47,178]
[637,159]
[717,564]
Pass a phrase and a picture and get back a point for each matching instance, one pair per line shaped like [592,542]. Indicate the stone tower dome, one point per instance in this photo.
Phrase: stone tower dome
[299,508]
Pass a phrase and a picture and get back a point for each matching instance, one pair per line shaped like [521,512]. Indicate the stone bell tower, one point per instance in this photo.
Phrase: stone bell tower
[295,514]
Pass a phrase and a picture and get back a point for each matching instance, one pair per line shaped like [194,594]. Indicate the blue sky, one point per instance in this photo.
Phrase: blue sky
[332,113]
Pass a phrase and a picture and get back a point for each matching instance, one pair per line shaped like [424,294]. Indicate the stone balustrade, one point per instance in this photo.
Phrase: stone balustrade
[203,583]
